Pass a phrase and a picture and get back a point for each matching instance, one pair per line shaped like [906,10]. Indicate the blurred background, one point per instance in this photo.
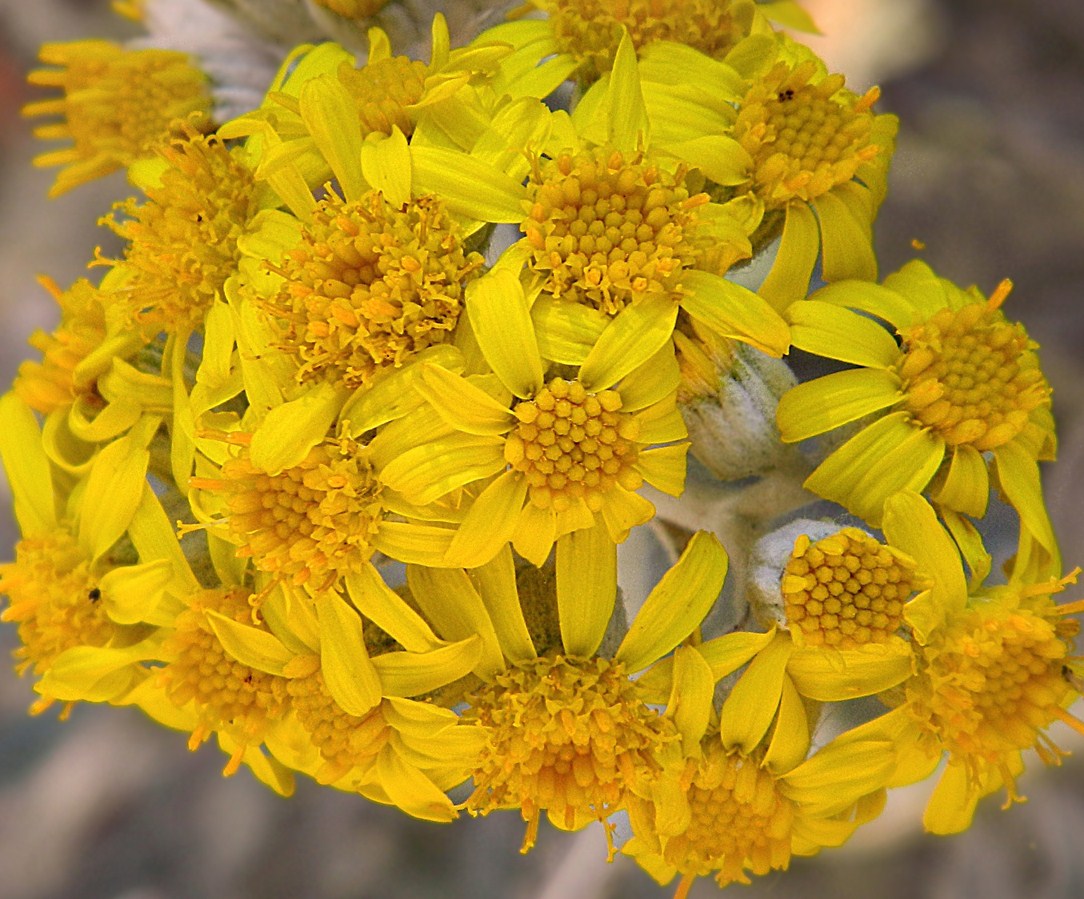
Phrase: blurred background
[989,173]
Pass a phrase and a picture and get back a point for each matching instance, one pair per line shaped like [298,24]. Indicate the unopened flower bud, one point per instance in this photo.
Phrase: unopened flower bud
[728,396]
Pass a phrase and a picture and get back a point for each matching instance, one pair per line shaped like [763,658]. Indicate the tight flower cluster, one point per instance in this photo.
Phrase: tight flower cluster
[333,462]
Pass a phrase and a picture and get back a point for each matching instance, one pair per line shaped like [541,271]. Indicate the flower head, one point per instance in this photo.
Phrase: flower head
[963,382]
[117,106]
[370,285]
[182,242]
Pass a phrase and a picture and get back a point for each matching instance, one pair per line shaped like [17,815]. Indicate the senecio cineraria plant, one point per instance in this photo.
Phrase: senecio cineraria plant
[335,462]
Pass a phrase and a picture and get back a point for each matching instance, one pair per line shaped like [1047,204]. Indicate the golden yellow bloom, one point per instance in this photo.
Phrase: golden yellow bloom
[311,523]
[549,455]
[846,590]
[117,105]
[226,695]
[811,153]
[182,242]
[55,600]
[53,382]
[370,285]
[743,796]
[994,668]
[962,382]
[566,735]
[590,31]
[607,228]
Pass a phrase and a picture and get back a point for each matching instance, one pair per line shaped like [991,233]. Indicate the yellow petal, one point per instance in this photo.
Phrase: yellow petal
[952,804]
[535,534]
[838,775]
[749,709]
[249,645]
[413,543]
[386,609]
[491,522]
[734,311]
[448,599]
[1018,477]
[663,467]
[677,604]
[502,323]
[566,331]
[113,492]
[331,115]
[386,165]
[818,406]
[865,296]
[291,430]
[348,671]
[795,257]
[496,582]
[416,673]
[634,335]
[790,738]
[462,404]
[586,588]
[837,333]
[134,594]
[690,704]
[468,186]
[847,251]
[830,675]
[28,471]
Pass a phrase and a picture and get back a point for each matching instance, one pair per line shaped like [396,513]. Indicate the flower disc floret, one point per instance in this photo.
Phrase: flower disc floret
[971,376]
[590,30]
[566,735]
[182,242]
[55,600]
[344,741]
[370,285]
[846,590]
[805,136]
[607,227]
[739,820]
[383,92]
[228,695]
[572,444]
[989,682]
[310,523]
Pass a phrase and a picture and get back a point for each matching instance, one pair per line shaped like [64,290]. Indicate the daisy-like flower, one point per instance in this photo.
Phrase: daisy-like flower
[369,285]
[581,38]
[609,225]
[182,242]
[961,390]
[568,448]
[57,581]
[994,669]
[314,520]
[568,731]
[117,106]
[353,723]
[813,154]
[741,794]
[77,352]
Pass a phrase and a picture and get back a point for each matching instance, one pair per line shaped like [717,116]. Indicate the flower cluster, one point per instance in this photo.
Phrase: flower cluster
[334,461]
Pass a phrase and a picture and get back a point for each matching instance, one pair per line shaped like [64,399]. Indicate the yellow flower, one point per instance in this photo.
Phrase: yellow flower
[312,522]
[567,449]
[182,242]
[369,285]
[59,583]
[963,384]
[117,106]
[611,226]
[567,731]
[581,37]
[352,723]
[994,669]
[743,795]
[812,154]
